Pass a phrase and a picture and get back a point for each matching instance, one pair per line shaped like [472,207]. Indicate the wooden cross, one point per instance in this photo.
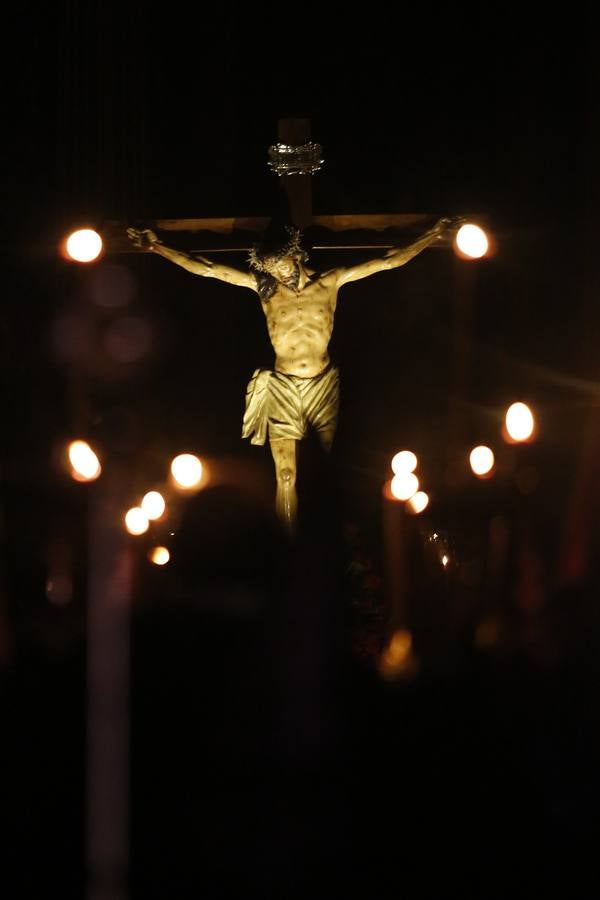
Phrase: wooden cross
[106,841]
[325,232]
[375,232]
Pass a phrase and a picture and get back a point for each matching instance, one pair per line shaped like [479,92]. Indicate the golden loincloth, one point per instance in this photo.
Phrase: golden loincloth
[288,404]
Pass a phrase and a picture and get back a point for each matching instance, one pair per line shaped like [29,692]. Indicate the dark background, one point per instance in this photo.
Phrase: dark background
[134,113]
[129,115]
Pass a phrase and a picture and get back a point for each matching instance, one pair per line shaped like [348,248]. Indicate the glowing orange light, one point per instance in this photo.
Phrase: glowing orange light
[404,485]
[481,460]
[136,520]
[186,470]
[472,241]
[153,504]
[84,245]
[417,503]
[399,647]
[519,422]
[85,465]
[397,659]
[404,461]
[160,556]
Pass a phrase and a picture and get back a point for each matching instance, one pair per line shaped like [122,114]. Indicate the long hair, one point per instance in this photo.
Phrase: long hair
[274,250]
[268,250]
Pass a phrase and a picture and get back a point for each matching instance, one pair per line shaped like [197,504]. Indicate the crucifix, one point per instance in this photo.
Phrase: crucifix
[301,391]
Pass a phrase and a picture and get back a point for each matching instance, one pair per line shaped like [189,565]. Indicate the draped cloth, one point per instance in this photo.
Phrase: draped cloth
[287,405]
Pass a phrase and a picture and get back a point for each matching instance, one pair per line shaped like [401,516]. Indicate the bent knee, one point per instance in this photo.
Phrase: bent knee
[286,475]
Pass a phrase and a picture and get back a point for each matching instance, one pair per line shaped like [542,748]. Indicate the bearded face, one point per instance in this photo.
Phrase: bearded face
[280,262]
[284,269]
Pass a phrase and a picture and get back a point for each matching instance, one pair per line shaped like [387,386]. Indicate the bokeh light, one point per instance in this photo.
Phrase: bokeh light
[404,485]
[111,286]
[399,647]
[519,422]
[136,520]
[481,460]
[85,465]
[59,589]
[84,245]
[397,659]
[128,339]
[186,470]
[417,503]
[404,461]
[472,241]
[160,556]
[153,504]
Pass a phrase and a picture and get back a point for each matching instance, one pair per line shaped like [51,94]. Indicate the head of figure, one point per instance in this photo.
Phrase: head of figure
[283,268]
[281,263]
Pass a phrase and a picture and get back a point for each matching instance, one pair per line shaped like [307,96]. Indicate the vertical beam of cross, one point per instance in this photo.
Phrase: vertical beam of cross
[298,188]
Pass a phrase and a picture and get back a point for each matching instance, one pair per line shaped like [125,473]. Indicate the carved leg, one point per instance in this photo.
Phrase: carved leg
[286,501]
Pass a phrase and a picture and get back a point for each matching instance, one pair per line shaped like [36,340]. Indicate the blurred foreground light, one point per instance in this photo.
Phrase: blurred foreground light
[445,560]
[399,647]
[85,465]
[153,504]
[160,556]
[527,479]
[398,659]
[72,337]
[417,503]
[84,245]
[519,422]
[472,241]
[481,460]
[136,520]
[111,286]
[186,470]
[404,461]
[59,589]
[128,339]
[487,633]
[404,485]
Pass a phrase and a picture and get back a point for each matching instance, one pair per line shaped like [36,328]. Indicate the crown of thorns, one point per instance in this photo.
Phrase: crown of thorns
[293,247]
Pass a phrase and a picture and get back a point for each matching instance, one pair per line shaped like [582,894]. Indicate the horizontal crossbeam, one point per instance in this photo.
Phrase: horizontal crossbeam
[239,234]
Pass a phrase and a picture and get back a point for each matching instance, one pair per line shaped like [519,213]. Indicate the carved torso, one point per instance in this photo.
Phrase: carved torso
[300,323]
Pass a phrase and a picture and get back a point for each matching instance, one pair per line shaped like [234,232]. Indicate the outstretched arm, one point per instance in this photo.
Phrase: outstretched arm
[197,265]
[396,256]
